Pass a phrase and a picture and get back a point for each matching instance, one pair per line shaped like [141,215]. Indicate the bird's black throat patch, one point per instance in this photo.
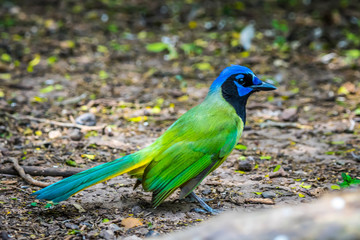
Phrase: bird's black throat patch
[231,95]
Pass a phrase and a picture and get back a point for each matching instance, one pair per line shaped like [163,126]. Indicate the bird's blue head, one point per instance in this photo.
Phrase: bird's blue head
[236,83]
[239,81]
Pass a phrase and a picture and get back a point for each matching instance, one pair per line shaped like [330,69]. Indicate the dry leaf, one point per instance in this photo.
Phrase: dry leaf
[79,208]
[131,222]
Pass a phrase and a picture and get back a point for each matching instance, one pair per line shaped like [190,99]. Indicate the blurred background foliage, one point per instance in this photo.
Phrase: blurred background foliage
[181,37]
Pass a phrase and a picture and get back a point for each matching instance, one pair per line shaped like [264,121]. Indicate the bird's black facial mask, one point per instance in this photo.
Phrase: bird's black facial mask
[245,84]
[238,87]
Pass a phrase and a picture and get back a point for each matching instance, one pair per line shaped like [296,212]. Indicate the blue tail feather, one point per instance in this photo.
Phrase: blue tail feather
[67,187]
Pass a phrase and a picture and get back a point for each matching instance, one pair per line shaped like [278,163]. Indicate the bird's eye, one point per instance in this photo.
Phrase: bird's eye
[240,78]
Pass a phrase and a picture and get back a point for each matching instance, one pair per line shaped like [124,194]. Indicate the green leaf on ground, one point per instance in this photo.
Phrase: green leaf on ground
[241,147]
[71,163]
[277,168]
[47,89]
[156,47]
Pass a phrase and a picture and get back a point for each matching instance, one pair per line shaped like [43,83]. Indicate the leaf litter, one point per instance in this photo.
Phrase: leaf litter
[117,62]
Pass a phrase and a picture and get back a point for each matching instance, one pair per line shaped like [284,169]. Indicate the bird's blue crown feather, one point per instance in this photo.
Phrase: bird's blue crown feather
[226,73]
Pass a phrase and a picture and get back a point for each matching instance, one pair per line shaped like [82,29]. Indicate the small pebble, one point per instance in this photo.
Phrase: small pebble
[113,227]
[256,178]
[109,132]
[269,194]
[107,234]
[54,134]
[76,135]
[206,191]
[245,166]
[289,114]
[136,209]
[87,119]
[152,233]
[142,231]
[71,225]
[300,173]
[132,237]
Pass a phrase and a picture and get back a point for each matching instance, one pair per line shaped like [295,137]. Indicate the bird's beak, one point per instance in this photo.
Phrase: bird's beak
[262,86]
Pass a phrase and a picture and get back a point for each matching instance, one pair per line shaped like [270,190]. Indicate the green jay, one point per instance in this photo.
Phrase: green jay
[189,150]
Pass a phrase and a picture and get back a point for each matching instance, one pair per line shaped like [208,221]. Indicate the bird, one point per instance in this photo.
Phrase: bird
[189,150]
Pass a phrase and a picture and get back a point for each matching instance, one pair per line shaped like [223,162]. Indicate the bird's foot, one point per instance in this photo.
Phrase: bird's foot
[208,210]
[191,199]
[205,208]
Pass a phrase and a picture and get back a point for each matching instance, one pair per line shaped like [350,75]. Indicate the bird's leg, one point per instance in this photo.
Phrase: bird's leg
[206,208]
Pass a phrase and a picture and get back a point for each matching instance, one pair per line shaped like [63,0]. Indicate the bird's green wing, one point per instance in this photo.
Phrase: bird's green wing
[217,160]
[188,156]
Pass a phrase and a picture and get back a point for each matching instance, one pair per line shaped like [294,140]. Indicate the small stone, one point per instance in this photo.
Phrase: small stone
[132,237]
[87,119]
[206,191]
[136,209]
[152,233]
[92,234]
[71,225]
[76,135]
[268,194]
[107,234]
[245,166]
[54,134]
[256,178]
[300,173]
[113,227]
[109,131]
[289,114]
[317,192]
[141,231]
[20,99]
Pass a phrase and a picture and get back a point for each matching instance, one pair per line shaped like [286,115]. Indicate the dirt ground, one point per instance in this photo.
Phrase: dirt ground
[62,59]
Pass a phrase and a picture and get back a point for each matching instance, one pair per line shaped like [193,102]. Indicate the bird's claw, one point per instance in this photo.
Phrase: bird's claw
[208,210]
[198,210]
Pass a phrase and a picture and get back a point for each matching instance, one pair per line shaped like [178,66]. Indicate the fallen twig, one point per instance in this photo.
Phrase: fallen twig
[56,123]
[260,200]
[283,125]
[111,144]
[41,171]
[110,102]
[72,100]
[27,177]
[167,118]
